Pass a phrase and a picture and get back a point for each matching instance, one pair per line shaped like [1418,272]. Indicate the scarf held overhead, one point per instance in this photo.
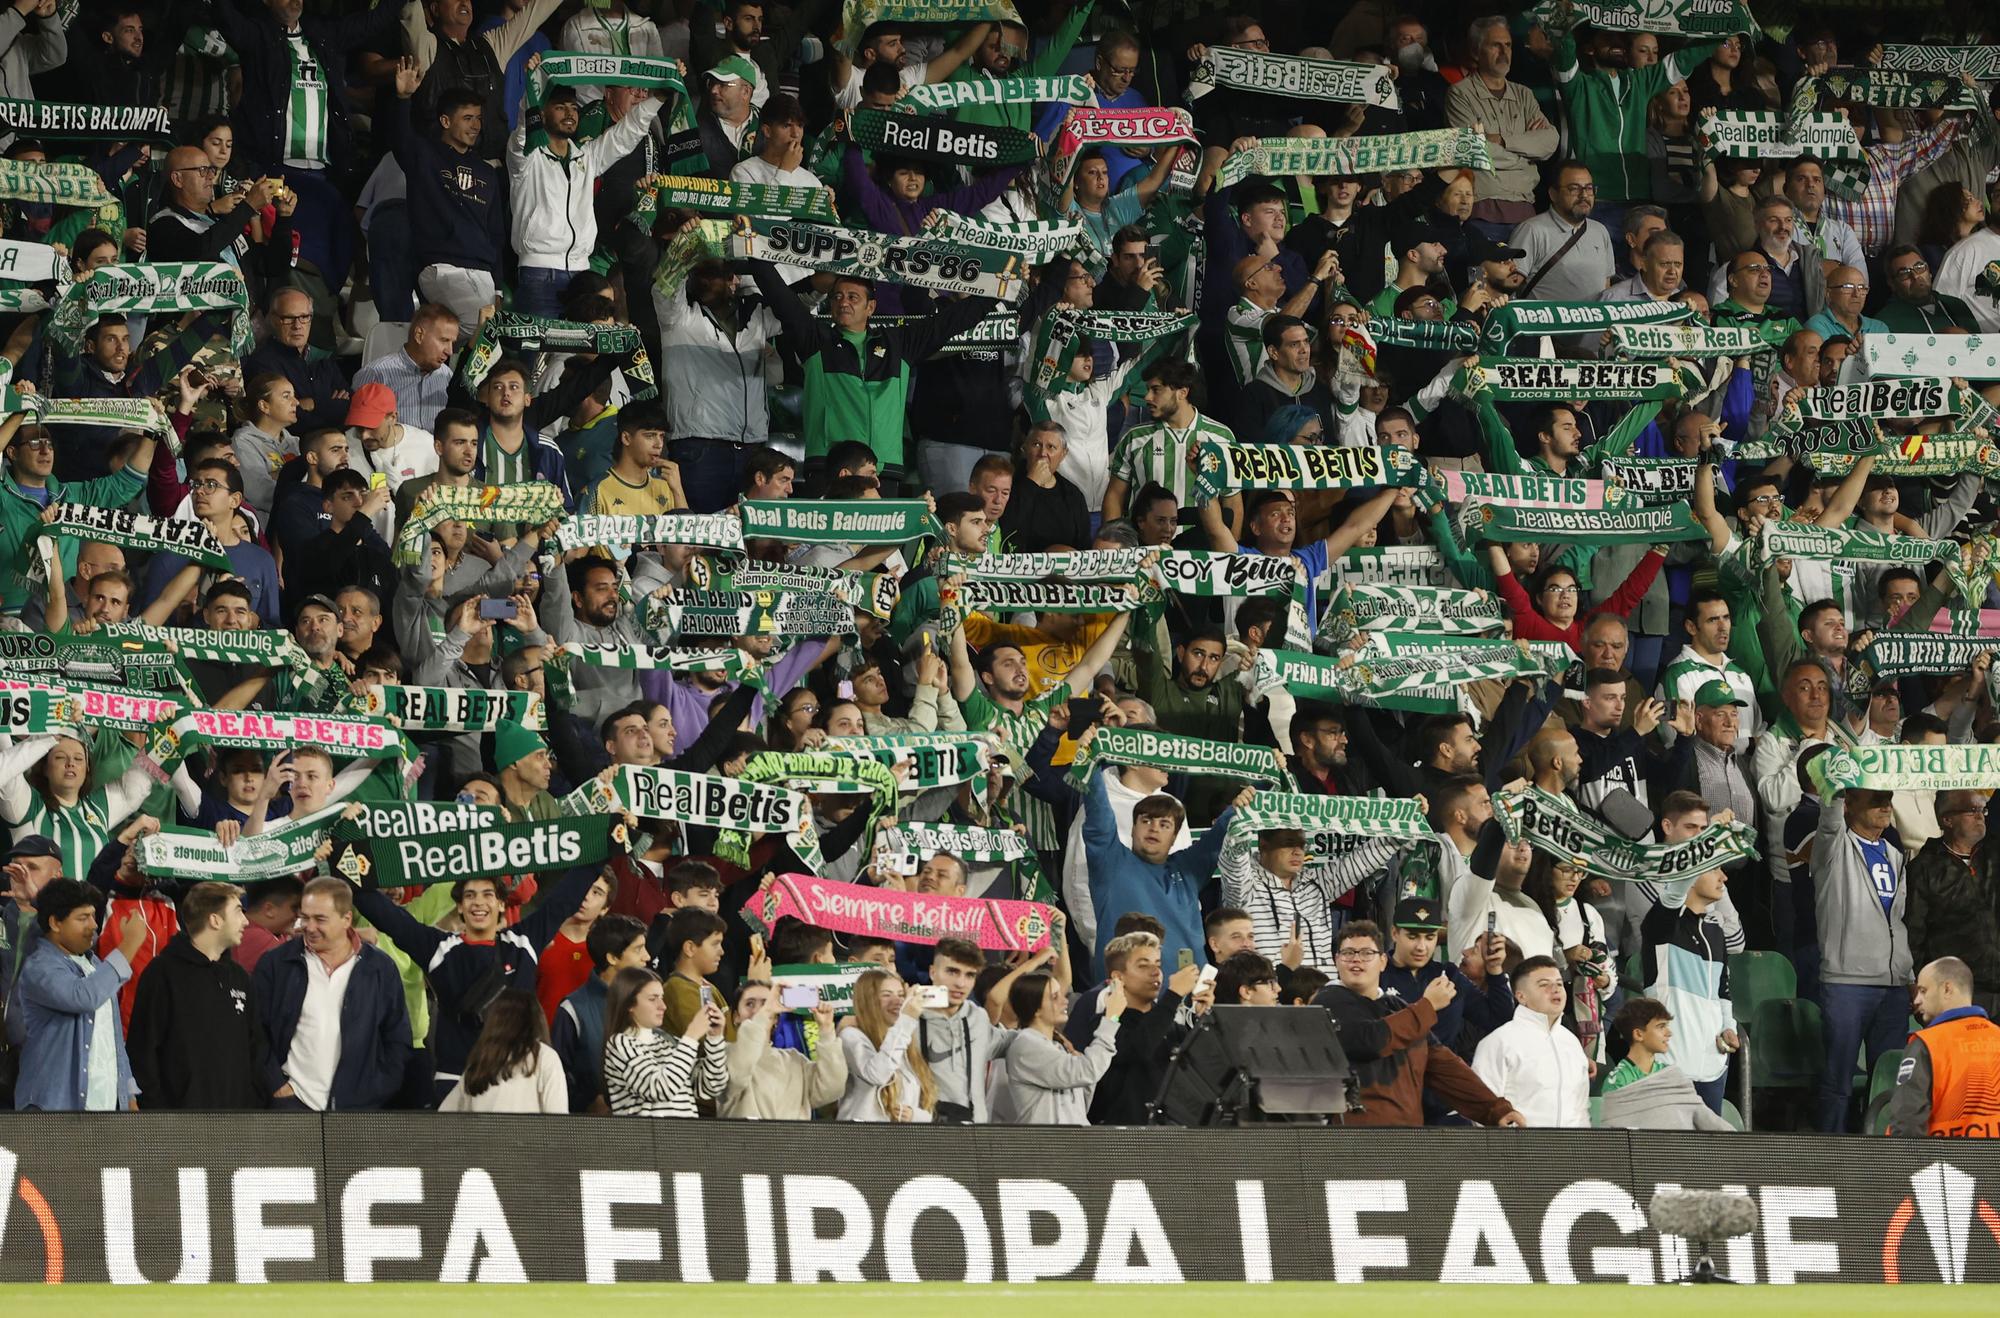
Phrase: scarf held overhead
[864,254]
[177,286]
[1552,824]
[1223,468]
[1293,76]
[906,917]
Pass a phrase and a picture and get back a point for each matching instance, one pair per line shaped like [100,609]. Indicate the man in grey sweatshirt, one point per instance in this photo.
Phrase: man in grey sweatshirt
[1865,962]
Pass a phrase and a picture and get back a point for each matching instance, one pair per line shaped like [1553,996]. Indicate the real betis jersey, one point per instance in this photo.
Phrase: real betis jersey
[1019,732]
[1157,453]
[81,830]
[197,83]
[502,467]
[309,108]
[616,496]
[1243,336]
[1690,672]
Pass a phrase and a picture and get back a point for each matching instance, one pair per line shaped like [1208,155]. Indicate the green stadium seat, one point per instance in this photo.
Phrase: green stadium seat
[1596,1109]
[1756,977]
[1884,1078]
[1631,975]
[1787,1044]
[1731,1115]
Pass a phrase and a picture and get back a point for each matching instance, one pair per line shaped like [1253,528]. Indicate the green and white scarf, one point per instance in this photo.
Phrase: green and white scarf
[228,729]
[116,708]
[140,664]
[1212,573]
[1627,526]
[1696,339]
[873,592]
[1652,480]
[509,333]
[1175,754]
[1981,62]
[622,531]
[1554,825]
[704,800]
[535,846]
[1392,565]
[147,414]
[68,121]
[838,521]
[1293,76]
[257,649]
[53,183]
[183,536]
[813,771]
[1069,89]
[941,139]
[726,199]
[144,289]
[530,502]
[1455,336]
[860,15]
[935,759]
[1056,336]
[1505,324]
[36,711]
[1441,148]
[1533,379]
[1816,441]
[1341,816]
[1427,609]
[192,856]
[571,68]
[1903,654]
[1223,468]
[904,849]
[1035,241]
[1688,18]
[1899,90]
[1950,454]
[864,254]
[1003,597]
[1968,356]
[452,708]
[1764,135]
[1836,545]
[1893,768]
[1399,663]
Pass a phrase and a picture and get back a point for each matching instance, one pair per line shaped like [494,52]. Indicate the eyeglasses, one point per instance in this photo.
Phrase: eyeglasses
[1253,43]
[37,445]
[1750,269]
[1578,189]
[1121,71]
[1913,268]
[207,486]
[1862,287]
[305,318]
[1559,590]
[1357,953]
[206,171]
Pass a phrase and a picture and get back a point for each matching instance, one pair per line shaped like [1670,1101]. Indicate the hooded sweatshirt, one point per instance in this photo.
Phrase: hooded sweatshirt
[194,1038]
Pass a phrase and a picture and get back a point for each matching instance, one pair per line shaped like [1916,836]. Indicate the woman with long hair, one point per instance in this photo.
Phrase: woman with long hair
[647,1072]
[1577,931]
[49,786]
[511,1067]
[792,722]
[887,1076]
[1049,1083]
[1950,213]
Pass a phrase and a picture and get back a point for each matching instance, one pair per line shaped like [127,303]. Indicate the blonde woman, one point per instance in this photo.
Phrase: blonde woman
[887,1076]
[647,1072]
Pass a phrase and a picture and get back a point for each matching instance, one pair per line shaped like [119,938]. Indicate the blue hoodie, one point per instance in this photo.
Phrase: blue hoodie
[1121,882]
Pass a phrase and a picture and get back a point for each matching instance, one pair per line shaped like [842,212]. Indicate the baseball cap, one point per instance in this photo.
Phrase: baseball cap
[1419,913]
[1716,694]
[314,602]
[371,404]
[35,844]
[735,69]
[1418,234]
[1481,247]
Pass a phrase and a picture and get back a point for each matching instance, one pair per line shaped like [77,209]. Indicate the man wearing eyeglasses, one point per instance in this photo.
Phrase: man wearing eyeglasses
[1570,257]
[1915,306]
[197,225]
[317,379]
[30,487]
[1846,290]
[1111,78]
[1796,274]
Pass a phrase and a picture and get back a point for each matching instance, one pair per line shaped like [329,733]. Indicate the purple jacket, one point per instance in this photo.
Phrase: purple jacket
[889,214]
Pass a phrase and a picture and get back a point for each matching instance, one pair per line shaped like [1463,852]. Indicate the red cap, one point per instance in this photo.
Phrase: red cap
[371,405]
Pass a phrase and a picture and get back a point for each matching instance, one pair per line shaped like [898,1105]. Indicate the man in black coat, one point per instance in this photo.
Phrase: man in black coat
[194,1040]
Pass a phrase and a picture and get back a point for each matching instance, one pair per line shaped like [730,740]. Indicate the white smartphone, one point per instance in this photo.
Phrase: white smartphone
[799,997]
[935,995]
[1205,978]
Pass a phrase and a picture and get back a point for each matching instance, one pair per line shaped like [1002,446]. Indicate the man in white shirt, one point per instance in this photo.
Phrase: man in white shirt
[1586,266]
[379,444]
[1533,1059]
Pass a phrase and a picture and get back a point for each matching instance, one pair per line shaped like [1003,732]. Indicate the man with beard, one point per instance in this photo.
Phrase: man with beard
[595,616]
[1420,254]
[360,620]
[1319,754]
[1588,260]
[456,439]
[1518,133]
[1494,264]
[1915,306]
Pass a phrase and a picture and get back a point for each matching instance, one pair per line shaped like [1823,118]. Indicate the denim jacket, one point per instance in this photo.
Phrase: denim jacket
[53,1007]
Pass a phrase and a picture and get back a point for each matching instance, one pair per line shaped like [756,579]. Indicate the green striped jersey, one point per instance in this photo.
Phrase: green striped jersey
[502,467]
[81,830]
[1157,453]
[1244,337]
[1018,732]
[308,109]
[197,82]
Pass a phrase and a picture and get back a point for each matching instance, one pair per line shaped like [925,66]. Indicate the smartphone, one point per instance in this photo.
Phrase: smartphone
[1083,711]
[799,997]
[1184,958]
[708,996]
[1492,924]
[498,610]
[1673,710]
[1205,978]
[377,479]
[846,690]
[1153,246]
[935,995]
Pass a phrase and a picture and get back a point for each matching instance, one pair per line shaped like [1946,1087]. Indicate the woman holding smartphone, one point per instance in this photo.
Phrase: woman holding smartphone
[1049,1083]
[647,1072]
[887,1076]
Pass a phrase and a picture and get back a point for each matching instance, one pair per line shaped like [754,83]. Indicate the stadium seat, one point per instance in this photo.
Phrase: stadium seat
[1596,1109]
[1787,1048]
[1756,977]
[1731,1115]
[1884,1078]
[384,338]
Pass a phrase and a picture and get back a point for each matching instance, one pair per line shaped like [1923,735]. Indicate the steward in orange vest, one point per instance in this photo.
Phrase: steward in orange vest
[1949,1082]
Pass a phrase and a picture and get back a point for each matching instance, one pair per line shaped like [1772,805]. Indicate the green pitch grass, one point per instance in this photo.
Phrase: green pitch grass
[1049,1300]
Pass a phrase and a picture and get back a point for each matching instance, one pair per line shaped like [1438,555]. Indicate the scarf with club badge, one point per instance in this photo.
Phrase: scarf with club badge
[1293,76]
[1175,754]
[144,289]
[919,260]
[510,334]
[1316,157]
[933,759]
[904,848]
[1895,768]
[451,708]
[528,502]
[813,771]
[1430,610]
[1554,825]
[1223,468]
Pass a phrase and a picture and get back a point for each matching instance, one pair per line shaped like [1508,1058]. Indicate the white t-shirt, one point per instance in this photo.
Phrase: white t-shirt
[315,1054]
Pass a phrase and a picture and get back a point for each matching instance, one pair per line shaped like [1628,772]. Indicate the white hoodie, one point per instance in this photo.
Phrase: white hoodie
[555,227]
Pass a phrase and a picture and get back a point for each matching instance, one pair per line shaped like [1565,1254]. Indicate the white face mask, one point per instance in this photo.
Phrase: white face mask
[1413,57]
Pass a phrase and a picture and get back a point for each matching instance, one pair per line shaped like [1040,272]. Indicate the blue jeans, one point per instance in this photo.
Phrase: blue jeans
[1856,1015]
[392,270]
[1711,1091]
[711,472]
[325,225]
[538,290]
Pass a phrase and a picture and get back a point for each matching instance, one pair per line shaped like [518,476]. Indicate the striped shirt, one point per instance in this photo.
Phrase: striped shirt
[1157,453]
[81,830]
[1307,905]
[1243,336]
[1018,732]
[197,83]
[308,109]
[648,1073]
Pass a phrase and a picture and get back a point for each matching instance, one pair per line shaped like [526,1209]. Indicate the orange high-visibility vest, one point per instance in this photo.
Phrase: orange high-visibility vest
[1965,1077]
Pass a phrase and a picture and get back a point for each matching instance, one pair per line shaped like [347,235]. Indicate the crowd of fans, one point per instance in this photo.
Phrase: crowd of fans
[462,271]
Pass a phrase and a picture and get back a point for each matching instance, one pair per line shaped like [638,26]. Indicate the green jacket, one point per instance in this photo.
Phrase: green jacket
[21,517]
[1607,115]
[1044,65]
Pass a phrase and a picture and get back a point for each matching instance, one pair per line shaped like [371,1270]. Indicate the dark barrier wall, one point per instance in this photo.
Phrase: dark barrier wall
[158,1198]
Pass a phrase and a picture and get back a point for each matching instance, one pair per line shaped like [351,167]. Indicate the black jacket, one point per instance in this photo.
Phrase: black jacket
[374,1023]
[458,202]
[194,1039]
[1953,909]
[1146,1042]
[253,32]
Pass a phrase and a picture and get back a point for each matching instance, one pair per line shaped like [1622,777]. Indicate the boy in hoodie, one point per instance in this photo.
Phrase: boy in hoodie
[1147,876]
[194,1039]
[458,209]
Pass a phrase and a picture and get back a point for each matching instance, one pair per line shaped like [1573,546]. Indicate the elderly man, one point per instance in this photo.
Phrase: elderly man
[1951,911]
[1518,134]
[416,372]
[1658,267]
[1717,773]
[1797,274]
[317,379]
[1846,290]
[727,120]
[1915,306]
[197,225]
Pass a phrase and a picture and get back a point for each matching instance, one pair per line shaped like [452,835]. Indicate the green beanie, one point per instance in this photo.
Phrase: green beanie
[513,743]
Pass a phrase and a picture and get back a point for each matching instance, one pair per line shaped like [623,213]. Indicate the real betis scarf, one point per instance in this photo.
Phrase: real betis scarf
[452,708]
[1059,330]
[509,333]
[941,139]
[421,858]
[1816,441]
[531,502]
[1651,480]
[904,849]
[1803,540]
[144,665]
[1690,18]
[183,536]
[812,771]
[1903,654]
[1940,455]
[1969,356]
[569,68]
[343,738]
[107,706]
[1345,816]
[1553,825]
[719,615]
[1899,89]
[1428,609]
[871,592]
[1035,241]
[859,15]
[1533,379]
[1530,491]
[35,711]
[1088,126]
[1696,339]
[31,263]
[260,649]
[67,121]
[1627,526]
[1222,468]
[1069,89]
[1435,335]
[1182,571]
[147,414]
[1175,754]
[1394,565]
[1211,573]
[1505,324]
[53,183]
[178,286]
[1981,62]
[1764,135]
[622,531]
[1441,148]
[1293,76]
[726,199]
[708,801]
[865,254]
[838,521]
[189,855]
[907,917]
[935,759]
[1002,597]
[1398,663]
[1893,768]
